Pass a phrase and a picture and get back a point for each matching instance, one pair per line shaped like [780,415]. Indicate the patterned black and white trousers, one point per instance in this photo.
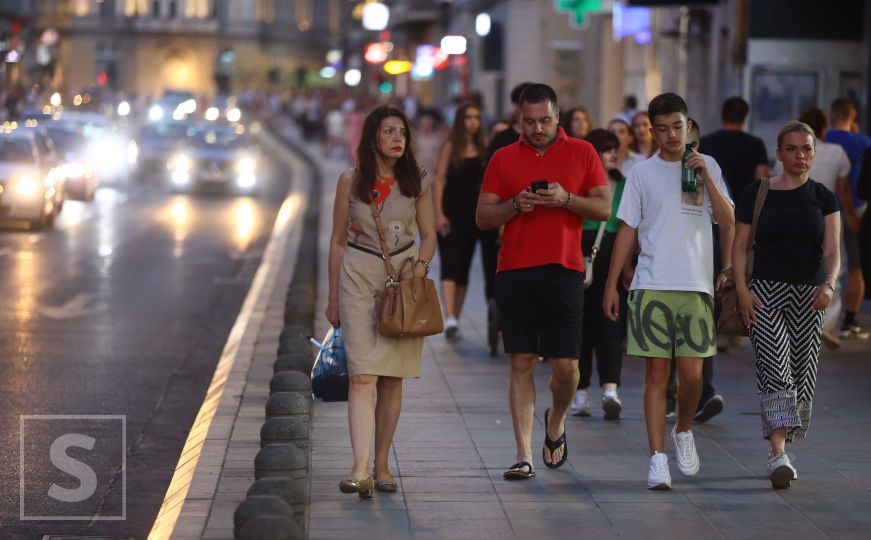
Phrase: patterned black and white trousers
[786,340]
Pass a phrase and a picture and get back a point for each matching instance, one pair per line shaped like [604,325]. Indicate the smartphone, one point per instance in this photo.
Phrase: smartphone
[538,184]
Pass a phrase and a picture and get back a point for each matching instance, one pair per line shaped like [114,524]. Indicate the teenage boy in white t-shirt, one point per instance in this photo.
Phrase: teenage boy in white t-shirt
[671,304]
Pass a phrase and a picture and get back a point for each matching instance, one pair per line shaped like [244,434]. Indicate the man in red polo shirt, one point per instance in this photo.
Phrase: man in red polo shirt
[541,188]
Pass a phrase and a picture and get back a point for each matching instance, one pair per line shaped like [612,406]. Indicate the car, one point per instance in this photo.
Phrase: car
[112,154]
[215,157]
[173,105]
[30,189]
[80,182]
[157,142]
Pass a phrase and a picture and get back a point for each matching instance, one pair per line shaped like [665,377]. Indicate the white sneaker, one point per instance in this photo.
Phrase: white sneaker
[611,405]
[659,478]
[452,327]
[580,404]
[685,447]
[780,471]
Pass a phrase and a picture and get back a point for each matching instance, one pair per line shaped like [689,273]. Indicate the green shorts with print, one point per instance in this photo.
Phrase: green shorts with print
[665,323]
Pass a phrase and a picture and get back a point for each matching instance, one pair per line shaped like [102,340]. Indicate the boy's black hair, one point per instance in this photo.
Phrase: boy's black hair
[666,104]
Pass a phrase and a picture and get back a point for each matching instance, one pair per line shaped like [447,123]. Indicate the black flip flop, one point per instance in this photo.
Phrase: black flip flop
[519,471]
[554,445]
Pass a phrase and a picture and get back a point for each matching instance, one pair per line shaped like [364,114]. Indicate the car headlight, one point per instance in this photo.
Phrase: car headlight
[246,180]
[212,114]
[26,186]
[246,165]
[132,152]
[155,113]
[73,170]
[181,162]
[234,114]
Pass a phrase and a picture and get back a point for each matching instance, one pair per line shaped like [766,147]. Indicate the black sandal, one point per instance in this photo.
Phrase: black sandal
[554,445]
[519,471]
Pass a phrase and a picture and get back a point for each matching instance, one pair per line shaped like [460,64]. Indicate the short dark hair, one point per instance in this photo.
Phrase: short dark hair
[816,119]
[666,104]
[517,91]
[538,93]
[603,140]
[735,110]
[842,108]
[696,127]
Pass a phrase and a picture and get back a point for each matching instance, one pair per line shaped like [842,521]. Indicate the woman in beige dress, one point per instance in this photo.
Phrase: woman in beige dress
[386,174]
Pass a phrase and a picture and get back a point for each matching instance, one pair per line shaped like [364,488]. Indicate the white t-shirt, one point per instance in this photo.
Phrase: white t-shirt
[674,229]
[632,159]
[830,163]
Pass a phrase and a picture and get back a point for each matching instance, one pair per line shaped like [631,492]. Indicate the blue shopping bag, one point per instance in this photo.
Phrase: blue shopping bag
[330,371]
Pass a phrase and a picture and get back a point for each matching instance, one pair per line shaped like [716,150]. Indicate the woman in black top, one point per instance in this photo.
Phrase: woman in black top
[796,263]
[459,174]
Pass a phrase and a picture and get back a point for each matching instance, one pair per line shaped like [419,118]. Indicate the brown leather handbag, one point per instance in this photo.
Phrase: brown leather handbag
[409,307]
[730,322]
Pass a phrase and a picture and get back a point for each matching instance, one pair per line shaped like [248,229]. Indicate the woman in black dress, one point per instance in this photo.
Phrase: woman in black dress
[458,179]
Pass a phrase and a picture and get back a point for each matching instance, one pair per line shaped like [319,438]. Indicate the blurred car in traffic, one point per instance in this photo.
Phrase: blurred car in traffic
[30,189]
[215,157]
[157,142]
[112,154]
[173,105]
[71,145]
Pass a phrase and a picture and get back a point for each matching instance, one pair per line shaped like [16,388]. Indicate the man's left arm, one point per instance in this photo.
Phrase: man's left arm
[596,205]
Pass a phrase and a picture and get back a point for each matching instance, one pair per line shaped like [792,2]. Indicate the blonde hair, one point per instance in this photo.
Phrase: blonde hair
[795,127]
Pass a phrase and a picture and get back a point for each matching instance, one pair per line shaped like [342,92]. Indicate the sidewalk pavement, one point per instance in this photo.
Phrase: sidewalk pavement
[455,439]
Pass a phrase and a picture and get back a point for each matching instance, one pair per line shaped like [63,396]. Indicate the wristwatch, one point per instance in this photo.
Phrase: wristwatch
[515,204]
[831,286]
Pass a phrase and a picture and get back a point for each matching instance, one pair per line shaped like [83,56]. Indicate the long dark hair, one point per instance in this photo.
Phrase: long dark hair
[603,141]
[565,121]
[458,137]
[406,168]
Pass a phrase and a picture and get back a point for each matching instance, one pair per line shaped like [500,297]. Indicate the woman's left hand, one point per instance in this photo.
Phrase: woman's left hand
[419,270]
[822,297]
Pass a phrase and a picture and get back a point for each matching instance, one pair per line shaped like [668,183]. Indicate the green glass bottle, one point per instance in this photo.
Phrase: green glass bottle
[689,178]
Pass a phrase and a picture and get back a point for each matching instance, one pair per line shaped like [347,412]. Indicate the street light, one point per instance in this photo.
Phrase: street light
[375,16]
[353,77]
[482,24]
[453,45]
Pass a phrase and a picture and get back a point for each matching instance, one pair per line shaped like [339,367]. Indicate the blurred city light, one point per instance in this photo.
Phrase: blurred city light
[395,67]
[386,87]
[482,24]
[353,77]
[123,108]
[55,100]
[334,56]
[234,114]
[454,44]
[26,186]
[212,114]
[189,106]
[375,16]
[178,113]
[77,101]
[375,53]
[328,72]
[155,113]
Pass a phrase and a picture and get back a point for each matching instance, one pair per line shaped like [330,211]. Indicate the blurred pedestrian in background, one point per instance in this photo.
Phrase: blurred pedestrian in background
[386,175]
[459,173]
[626,158]
[601,336]
[843,118]
[428,138]
[795,267]
[643,142]
[575,122]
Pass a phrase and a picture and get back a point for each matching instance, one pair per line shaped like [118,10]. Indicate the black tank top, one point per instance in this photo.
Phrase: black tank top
[462,186]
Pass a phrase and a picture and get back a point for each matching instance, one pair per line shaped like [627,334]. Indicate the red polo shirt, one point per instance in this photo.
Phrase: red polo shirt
[546,235]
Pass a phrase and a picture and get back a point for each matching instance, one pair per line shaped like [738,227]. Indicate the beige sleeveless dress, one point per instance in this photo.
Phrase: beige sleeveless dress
[362,278]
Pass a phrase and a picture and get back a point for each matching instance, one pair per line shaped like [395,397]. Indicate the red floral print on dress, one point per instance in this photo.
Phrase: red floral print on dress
[381,190]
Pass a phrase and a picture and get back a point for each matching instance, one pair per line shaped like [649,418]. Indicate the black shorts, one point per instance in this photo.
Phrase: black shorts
[542,310]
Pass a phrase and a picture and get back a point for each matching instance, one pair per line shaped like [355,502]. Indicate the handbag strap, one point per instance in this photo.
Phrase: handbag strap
[757,209]
[598,242]
[382,237]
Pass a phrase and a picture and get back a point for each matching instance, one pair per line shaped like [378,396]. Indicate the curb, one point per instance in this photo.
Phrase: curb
[190,499]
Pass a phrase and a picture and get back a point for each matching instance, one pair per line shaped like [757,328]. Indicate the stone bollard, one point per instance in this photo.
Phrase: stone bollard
[280,460]
[290,381]
[294,339]
[293,491]
[298,361]
[284,429]
[288,404]
[259,505]
[268,527]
